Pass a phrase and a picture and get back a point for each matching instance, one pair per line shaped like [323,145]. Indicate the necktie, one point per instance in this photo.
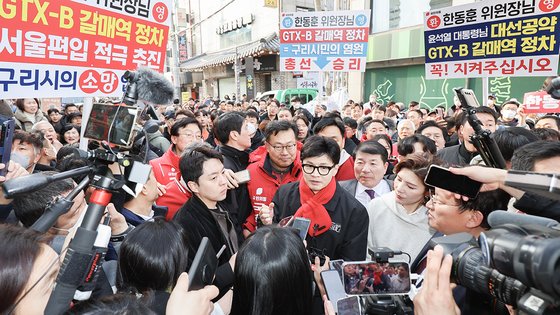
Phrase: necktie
[371,193]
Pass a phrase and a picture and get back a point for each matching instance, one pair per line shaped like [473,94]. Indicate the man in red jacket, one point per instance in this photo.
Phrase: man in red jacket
[184,132]
[280,165]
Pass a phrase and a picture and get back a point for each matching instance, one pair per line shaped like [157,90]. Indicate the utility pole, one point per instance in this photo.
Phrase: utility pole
[174,64]
[237,69]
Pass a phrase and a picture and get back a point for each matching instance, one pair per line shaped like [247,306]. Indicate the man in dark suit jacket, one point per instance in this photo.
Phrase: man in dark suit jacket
[370,165]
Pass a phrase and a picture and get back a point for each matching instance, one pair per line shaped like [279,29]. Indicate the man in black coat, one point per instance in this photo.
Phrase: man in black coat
[232,132]
[204,214]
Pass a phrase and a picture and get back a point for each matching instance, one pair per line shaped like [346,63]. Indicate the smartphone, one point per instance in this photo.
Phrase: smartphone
[302,225]
[119,120]
[349,306]
[371,278]
[243,176]
[333,286]
[442,178]
[8,127]
[203,267]
[466,97]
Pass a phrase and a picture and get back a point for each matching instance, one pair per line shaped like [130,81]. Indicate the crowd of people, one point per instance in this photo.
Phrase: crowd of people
[232,170]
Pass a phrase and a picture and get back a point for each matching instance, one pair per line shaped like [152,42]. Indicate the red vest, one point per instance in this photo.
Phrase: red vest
[174,198]
[166,167]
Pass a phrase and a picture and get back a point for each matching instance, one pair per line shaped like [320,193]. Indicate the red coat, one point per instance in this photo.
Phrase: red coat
[346,170]
[264,183]
[174,198]
[166,167]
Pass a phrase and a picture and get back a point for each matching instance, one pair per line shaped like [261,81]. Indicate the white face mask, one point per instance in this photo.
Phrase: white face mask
[251,129]
[21,159]
[508,114]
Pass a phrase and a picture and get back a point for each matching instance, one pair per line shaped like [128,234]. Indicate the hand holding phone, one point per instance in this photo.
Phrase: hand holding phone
[243,177]
[442,178]
[204,266]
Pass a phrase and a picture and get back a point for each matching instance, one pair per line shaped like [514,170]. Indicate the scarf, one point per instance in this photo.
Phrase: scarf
[312,207]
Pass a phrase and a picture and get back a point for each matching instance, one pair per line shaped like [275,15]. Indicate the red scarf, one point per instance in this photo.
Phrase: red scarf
[312,207]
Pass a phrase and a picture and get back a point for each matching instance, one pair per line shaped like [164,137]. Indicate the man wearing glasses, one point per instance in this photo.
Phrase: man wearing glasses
[339,222]
[280,165]
[183,132]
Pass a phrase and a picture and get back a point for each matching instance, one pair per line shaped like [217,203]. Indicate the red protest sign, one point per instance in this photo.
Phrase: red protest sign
[540,102]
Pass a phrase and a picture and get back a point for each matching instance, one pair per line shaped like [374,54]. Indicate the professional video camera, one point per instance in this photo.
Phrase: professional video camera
[517,261]
[114,127]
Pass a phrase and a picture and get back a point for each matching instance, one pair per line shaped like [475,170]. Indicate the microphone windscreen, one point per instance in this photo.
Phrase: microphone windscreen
[500,217]
[153,87]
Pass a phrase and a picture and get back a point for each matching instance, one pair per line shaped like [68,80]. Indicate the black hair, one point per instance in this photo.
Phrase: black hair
[428,124]
[327,121]
[114,304]
[272,275]
[275,126]
[318,146]
[372,147]
[35,138]
[350,122]
[555,118]
[28,208]
[462,118]
[512,138]
[67,128]
[192,161]
[71,116]
[381,108]
[546,134]
[369,122]
[486,202]
[200,112]
[406,145]
[251,113]
[147,265]
[182,123]
[227,123]
[386,138]
[52,110]
[413,103]
[524,158]
[20,247]
[418,111]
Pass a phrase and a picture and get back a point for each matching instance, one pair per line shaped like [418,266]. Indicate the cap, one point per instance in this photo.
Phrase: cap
[492,95]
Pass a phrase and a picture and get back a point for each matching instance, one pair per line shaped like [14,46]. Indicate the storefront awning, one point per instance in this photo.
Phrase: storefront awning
[264,46]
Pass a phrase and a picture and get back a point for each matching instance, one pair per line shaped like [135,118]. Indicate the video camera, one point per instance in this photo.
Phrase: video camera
[517,264]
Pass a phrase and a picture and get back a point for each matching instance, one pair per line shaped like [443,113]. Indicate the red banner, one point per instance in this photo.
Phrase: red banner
[540,102]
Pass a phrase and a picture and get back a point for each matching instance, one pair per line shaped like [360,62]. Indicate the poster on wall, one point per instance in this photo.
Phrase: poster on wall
[493,38]
[79,48]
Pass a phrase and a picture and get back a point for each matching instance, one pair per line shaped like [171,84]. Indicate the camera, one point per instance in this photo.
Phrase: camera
[518,265]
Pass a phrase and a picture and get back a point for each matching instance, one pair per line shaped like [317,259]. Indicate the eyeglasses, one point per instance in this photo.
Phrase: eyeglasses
[191,135]
[435,200]
[280,148]
[323,170]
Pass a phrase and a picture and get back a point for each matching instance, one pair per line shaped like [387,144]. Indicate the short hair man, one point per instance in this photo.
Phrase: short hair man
[333,128]
[510,109]
[204,214]
[26,149]
[280,165]
[416,116]
[433,131]
[49,131]
[141,208]
[232,131]
[548,121]
[183,132]
[461,154]
[370,165]
[375,127]
[405,128]
[339,222]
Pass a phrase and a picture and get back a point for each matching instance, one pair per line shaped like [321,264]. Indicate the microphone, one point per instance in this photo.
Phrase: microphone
[500,217]
[148,85]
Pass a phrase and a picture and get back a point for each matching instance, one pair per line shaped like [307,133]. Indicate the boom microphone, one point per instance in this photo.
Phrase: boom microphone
[500,217]
[147,85]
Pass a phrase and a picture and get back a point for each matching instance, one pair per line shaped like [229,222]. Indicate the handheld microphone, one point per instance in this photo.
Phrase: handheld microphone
[500,217]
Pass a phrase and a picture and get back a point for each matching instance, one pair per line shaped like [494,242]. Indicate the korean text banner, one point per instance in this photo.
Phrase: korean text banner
[540,102]
[78,48]
[324,41]
[493,38]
